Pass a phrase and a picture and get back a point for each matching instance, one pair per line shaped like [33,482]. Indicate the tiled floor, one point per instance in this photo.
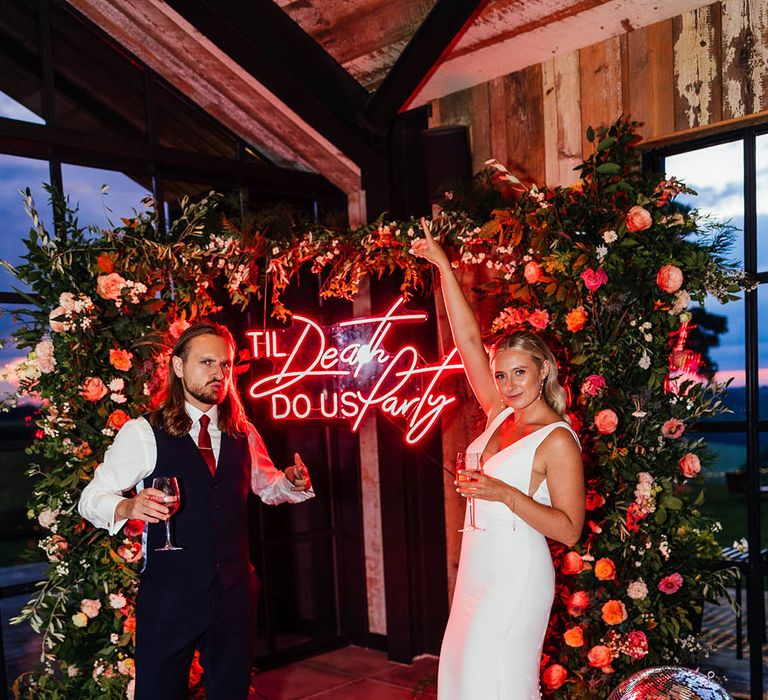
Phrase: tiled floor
[350,673]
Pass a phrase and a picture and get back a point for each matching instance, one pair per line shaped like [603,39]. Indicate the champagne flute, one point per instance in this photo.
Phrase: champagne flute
[169,485]
[469,461]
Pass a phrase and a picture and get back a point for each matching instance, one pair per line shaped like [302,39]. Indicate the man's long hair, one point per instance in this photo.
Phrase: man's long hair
[171,415]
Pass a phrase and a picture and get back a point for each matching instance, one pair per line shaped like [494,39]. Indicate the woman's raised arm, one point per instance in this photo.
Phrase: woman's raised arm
[464,326]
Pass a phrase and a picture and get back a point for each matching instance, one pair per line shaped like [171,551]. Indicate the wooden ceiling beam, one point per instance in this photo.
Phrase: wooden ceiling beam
[432,42]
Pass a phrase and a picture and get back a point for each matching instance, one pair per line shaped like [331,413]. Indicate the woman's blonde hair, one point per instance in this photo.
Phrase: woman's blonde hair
[532,344]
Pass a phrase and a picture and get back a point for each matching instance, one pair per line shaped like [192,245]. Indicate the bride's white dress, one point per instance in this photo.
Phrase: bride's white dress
[504,588]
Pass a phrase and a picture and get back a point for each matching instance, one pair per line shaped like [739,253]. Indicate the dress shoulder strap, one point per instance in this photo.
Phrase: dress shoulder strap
[547,429]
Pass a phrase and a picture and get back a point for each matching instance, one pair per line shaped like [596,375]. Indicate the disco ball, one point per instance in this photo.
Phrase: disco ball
[669,683]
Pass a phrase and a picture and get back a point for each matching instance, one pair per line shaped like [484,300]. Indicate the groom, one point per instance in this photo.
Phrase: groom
[204,594]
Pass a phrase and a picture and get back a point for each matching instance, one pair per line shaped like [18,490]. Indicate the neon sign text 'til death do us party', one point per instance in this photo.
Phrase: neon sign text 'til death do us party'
[344,371]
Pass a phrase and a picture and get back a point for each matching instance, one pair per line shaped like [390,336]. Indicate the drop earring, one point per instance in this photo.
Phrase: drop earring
[541,389]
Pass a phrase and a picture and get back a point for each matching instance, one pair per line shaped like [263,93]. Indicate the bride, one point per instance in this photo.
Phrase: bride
[531,488]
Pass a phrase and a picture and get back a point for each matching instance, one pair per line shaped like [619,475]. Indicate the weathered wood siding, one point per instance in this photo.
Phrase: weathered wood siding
[694,70]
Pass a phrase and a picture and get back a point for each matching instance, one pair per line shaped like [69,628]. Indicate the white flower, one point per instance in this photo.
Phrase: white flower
[639,414]
[47,518]
[118,398]
[664,549]
[117,601]
[602,251]
[113,638]
[645,361]
[637,590]
[682,300]
[79,619]
[117,384]
[45,359]
[609,236]
[72,671]
[741,545]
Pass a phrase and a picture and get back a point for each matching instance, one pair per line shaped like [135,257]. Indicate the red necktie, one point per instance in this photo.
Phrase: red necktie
[204,443]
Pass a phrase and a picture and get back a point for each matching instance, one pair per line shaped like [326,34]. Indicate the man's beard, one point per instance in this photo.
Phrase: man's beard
[207,394]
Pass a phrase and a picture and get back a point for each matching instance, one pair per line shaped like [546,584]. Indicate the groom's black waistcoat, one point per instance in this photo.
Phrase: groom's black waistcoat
[211,525]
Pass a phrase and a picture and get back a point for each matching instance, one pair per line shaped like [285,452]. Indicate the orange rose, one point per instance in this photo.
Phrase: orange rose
[605,569]
[572,563]
[669,278]
[554,676]
[109,286]
[690,465]
[638,219]
[576,319]
[120,359]
[614,612]
[574,637]
[83,450]
[105,264]
[93,389]
[578,603]
[117,419]
[599,656]
[532,272]
[129,624]
[606,421]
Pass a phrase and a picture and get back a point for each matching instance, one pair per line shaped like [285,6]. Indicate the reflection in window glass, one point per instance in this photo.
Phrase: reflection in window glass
[20,96]
[18,174]
[103,207]
[762,202]
[725,485]
[717,175]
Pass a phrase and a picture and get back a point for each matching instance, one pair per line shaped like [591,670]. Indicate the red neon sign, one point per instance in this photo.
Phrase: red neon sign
[344,371]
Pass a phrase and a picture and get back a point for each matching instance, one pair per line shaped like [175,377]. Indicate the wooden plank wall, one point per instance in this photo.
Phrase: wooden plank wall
[694,70]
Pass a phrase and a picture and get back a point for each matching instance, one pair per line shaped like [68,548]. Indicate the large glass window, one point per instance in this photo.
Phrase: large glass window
[18,174]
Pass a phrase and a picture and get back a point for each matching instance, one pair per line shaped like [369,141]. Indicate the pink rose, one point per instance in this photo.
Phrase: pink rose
[594,279]
[669,278]
[673,428]
[599,656]
[638,219]
[532,272]
[90,607]
[636,646]
[67,301]
[539,319]
[690,465]
[109,286]
[93,389]
[57,326]
[606,421]
[671,584]
[593,385]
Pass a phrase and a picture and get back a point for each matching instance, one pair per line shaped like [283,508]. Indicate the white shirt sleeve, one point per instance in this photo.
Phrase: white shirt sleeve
[267,482]
[130,458]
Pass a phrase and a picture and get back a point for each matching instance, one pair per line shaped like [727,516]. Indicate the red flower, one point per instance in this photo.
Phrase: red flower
[636,646]
[554,676]
[578,603]
[634,515]
[576,319]
[539,319]
[133,528]
[594,500]
[594,279]
[572,563]
[105,264]
[669,278]
[532,272]
[117,419]
[671,584]
[120,359]
[130,551]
